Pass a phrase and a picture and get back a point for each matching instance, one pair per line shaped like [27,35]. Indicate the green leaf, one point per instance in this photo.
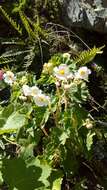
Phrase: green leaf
[70,162]
[19,176]
[79,114]
[57,184]
[7,111]
[40,114]
[1,176]
[56,179]
[2,146]
[14,122]
[46,170]
[27,151]
[63,138]
[89,140]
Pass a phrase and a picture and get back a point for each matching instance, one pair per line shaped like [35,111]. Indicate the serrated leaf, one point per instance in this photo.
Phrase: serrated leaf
[89,140]
[13,122]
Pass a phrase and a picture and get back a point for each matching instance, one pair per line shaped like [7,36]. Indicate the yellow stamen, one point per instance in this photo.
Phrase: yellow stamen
[10,77]
[62,72]
[82,73]
[41,99]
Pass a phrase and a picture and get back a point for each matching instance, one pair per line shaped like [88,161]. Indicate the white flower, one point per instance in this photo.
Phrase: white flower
[41,100]
[70,76]
[34,90]
[62,72]
[9,77]
[26,90]
[83,73]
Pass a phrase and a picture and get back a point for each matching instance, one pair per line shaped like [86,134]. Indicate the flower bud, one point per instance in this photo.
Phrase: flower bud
[24,98]
[66,55]
[89,126]
[67,86]
[47,67]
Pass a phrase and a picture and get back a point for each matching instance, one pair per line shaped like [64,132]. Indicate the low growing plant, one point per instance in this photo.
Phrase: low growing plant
[45,129]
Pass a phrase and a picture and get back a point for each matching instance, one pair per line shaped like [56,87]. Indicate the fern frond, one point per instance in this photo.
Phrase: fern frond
[12,56]
[87,56]
[15,53]
[4,60]
[19,6]
[12,41]
[37,29]
[26,24]
[11,21]
[29,58]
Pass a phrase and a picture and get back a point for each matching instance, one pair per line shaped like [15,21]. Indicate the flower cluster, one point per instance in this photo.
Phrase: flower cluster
[8,77]
[39,98]
[62,72]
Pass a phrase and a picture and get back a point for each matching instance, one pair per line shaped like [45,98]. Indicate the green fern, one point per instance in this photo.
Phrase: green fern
[12,41]
[27,26]
[4,60]
[13,56]
[11,21]
[19,6]
[14,53]
[36,27]
[29,58]
[87,56]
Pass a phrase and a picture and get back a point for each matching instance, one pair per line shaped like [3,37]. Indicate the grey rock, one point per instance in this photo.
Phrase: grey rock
[89,14]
